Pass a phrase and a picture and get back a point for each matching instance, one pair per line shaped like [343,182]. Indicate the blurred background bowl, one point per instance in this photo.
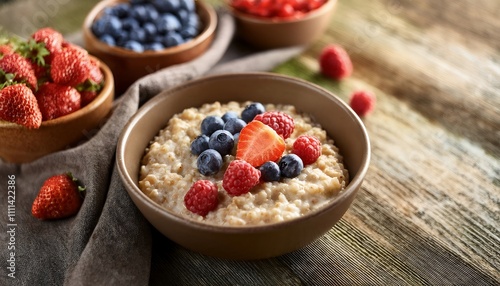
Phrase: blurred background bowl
[252,242]
[268,33]
[128,66]
[21,145]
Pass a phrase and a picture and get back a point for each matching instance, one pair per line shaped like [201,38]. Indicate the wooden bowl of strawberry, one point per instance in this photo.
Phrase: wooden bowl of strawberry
[281,23]
[197,223]
[53,94]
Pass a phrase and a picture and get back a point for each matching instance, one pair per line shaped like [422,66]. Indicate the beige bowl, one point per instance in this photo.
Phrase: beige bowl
[253,242]
[22,145]
[128,66]
[275,33]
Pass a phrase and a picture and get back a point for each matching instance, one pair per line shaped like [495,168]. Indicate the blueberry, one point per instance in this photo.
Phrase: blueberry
[183,16]
[234,125]
[107,24]
[228,115]
[173,39]
[134,46]
[209,162]
[138,35]
[155,46]
[251,111]
[211,124]
[290,166]
[270,172]
[122,38]
[189,32]
[167,5]
[139,12]
[152,13]
[187,4]
[199,144]
[167,23]
[150,30]
[236,137]
[192,21]
[108,39]
[221,141]
[121,10]
[130,24]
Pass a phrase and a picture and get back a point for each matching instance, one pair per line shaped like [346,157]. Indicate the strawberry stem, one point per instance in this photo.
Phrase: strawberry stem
[81,188]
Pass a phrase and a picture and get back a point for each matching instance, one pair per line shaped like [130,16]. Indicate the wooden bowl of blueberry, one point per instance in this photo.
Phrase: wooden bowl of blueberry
[139,37]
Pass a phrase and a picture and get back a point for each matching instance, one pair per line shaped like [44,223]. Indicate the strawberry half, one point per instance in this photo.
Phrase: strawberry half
[259,143]
[60,196]
[18,104]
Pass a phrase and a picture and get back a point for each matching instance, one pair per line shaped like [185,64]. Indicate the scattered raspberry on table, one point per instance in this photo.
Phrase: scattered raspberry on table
[362,102]
[335,62]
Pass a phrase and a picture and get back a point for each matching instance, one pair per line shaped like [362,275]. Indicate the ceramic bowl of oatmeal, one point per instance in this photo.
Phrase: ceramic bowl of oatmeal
[158,166]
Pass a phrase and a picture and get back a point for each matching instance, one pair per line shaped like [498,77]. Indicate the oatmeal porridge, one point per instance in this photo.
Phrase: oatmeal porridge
[169,169]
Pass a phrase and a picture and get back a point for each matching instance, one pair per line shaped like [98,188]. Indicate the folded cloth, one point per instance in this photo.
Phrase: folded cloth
[108,242]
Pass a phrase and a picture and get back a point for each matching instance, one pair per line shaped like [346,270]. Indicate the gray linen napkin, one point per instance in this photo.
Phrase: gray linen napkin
[108,242]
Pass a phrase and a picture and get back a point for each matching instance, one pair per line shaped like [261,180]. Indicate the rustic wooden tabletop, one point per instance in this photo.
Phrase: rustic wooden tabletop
[429,209]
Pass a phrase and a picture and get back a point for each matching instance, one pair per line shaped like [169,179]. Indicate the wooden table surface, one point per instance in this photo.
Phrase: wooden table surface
[428,212]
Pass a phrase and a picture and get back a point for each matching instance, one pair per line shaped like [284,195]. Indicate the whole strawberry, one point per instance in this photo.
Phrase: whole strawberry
[57,100]
[20,67]
[281,122]
[202,197]
[240,177]
[362,102]
[6,49]
[18,104]
[70,66]
[60,196]
[93,85]
[51,38]
[335,62]
[308,148]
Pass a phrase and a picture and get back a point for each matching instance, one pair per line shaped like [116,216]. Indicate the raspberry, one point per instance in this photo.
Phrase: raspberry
[202,197]
[362,102]
[240,177]
[308,148]
[281,122]
[335,62]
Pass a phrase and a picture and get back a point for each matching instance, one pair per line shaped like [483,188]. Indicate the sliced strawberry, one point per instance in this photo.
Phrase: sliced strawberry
[18,105]
[259,143]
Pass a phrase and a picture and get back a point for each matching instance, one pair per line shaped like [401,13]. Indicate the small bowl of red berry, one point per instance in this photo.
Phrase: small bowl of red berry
[280,23]
[244,166]
[52,95]
[139,37]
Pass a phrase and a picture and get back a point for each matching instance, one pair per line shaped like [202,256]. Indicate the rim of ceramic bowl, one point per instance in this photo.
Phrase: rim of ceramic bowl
[354,182]
[106,91]
[208,30]
[327,6]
